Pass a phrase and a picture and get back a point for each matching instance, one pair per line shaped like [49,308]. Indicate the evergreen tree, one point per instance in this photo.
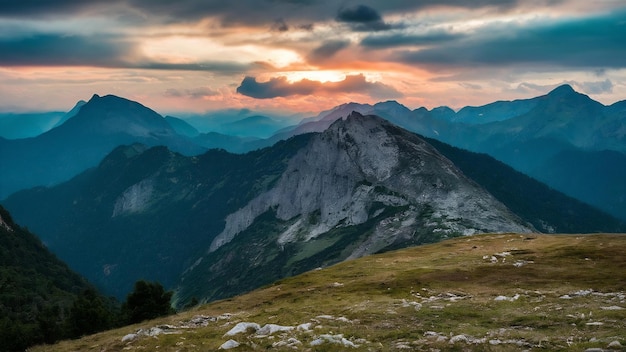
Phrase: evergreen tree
[147,301]
[89,314]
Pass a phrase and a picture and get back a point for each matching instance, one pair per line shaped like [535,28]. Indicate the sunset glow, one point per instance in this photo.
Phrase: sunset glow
[206,55]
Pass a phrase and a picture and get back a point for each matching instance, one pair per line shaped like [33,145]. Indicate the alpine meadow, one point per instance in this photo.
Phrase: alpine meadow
[272,175]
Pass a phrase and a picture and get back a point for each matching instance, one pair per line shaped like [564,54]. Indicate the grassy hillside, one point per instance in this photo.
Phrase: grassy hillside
[488,292]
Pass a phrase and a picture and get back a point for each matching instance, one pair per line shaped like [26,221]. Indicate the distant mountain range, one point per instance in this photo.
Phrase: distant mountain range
[218,224]
[82,141]
[565,139]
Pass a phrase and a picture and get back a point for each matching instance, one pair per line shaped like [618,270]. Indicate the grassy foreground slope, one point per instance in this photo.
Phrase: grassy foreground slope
[487,292]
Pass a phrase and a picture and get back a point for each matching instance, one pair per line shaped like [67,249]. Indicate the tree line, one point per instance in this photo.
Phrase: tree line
[89,313]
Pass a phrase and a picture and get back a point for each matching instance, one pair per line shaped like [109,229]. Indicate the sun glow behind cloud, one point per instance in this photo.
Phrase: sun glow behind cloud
[198,53]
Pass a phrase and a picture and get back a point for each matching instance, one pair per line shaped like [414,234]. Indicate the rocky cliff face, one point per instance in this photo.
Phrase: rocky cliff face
[363,161]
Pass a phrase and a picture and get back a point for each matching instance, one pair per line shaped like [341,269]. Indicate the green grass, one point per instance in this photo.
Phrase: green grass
[454,286]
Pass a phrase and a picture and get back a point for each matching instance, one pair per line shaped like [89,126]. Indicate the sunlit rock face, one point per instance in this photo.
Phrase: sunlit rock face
[358,167]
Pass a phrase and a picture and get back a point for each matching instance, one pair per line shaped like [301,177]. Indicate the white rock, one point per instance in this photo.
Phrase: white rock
[229,344]
[458,338]
[129,337]
[595,323]
[612,308]
[304,327]
[615,344]
[336,339]
[242,327]
[269,329]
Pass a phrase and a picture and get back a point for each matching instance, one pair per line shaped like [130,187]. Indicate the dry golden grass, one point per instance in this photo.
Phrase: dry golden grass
[420,298]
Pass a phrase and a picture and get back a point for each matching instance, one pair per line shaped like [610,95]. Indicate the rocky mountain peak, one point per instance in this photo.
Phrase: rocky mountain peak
[361,167]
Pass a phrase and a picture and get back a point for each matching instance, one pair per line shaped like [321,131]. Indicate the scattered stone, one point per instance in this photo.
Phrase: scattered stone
[269,329]
[304,327]
[291,342]
[129,337]
[521,263]
[505,298]
[458,338]
[199,321]
[242,327]
[595,349]
[612,308]
[329,317]
[595,323]
[336,339]
[495,342]
[615,344]
[229,344]
[336,284]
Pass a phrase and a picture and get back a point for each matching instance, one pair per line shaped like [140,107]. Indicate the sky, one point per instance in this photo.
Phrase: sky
[298,56]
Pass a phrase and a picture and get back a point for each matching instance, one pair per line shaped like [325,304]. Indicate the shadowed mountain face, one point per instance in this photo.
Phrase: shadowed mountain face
[36,289]
[218,224]
[82,141]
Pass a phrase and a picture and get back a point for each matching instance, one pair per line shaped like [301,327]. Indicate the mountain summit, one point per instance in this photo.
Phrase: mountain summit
[99,126]
[362,186]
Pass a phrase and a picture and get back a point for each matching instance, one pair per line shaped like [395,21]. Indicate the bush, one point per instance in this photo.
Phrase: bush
[147,301]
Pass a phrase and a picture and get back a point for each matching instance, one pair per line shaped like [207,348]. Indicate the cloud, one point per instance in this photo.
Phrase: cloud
[57,49]
[327,50]
[262,13]
[95,51]
[596,87]
[600,87]
[196,93]
[358,14]
[584,42]
[402,39]
[280,25]
[281,87]
[362,18]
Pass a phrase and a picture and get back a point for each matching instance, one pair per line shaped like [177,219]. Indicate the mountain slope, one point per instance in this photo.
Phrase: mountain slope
[82,141]
[220,224]
[486,292]
[36,289]
[362,186]
[145,213]
[546,209]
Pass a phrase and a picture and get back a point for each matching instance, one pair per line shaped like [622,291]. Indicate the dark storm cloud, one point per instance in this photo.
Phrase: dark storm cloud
[248,12]
[362,18]
[280,87]
[402,39]
[54,50]
[358,14]
[95,51]
[327,50]
[587,42]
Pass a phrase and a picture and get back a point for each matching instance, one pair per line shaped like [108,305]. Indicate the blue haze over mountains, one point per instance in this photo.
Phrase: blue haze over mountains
[565,139]
[128,194]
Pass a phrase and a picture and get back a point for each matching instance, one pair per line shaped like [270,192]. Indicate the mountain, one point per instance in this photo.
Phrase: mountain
[182,127]
[25,125]
[233,144]
[145,213]
[502,292]
[82,141]
[37,290]
[219,224]
[252,126]
[531,135]
[360,187]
